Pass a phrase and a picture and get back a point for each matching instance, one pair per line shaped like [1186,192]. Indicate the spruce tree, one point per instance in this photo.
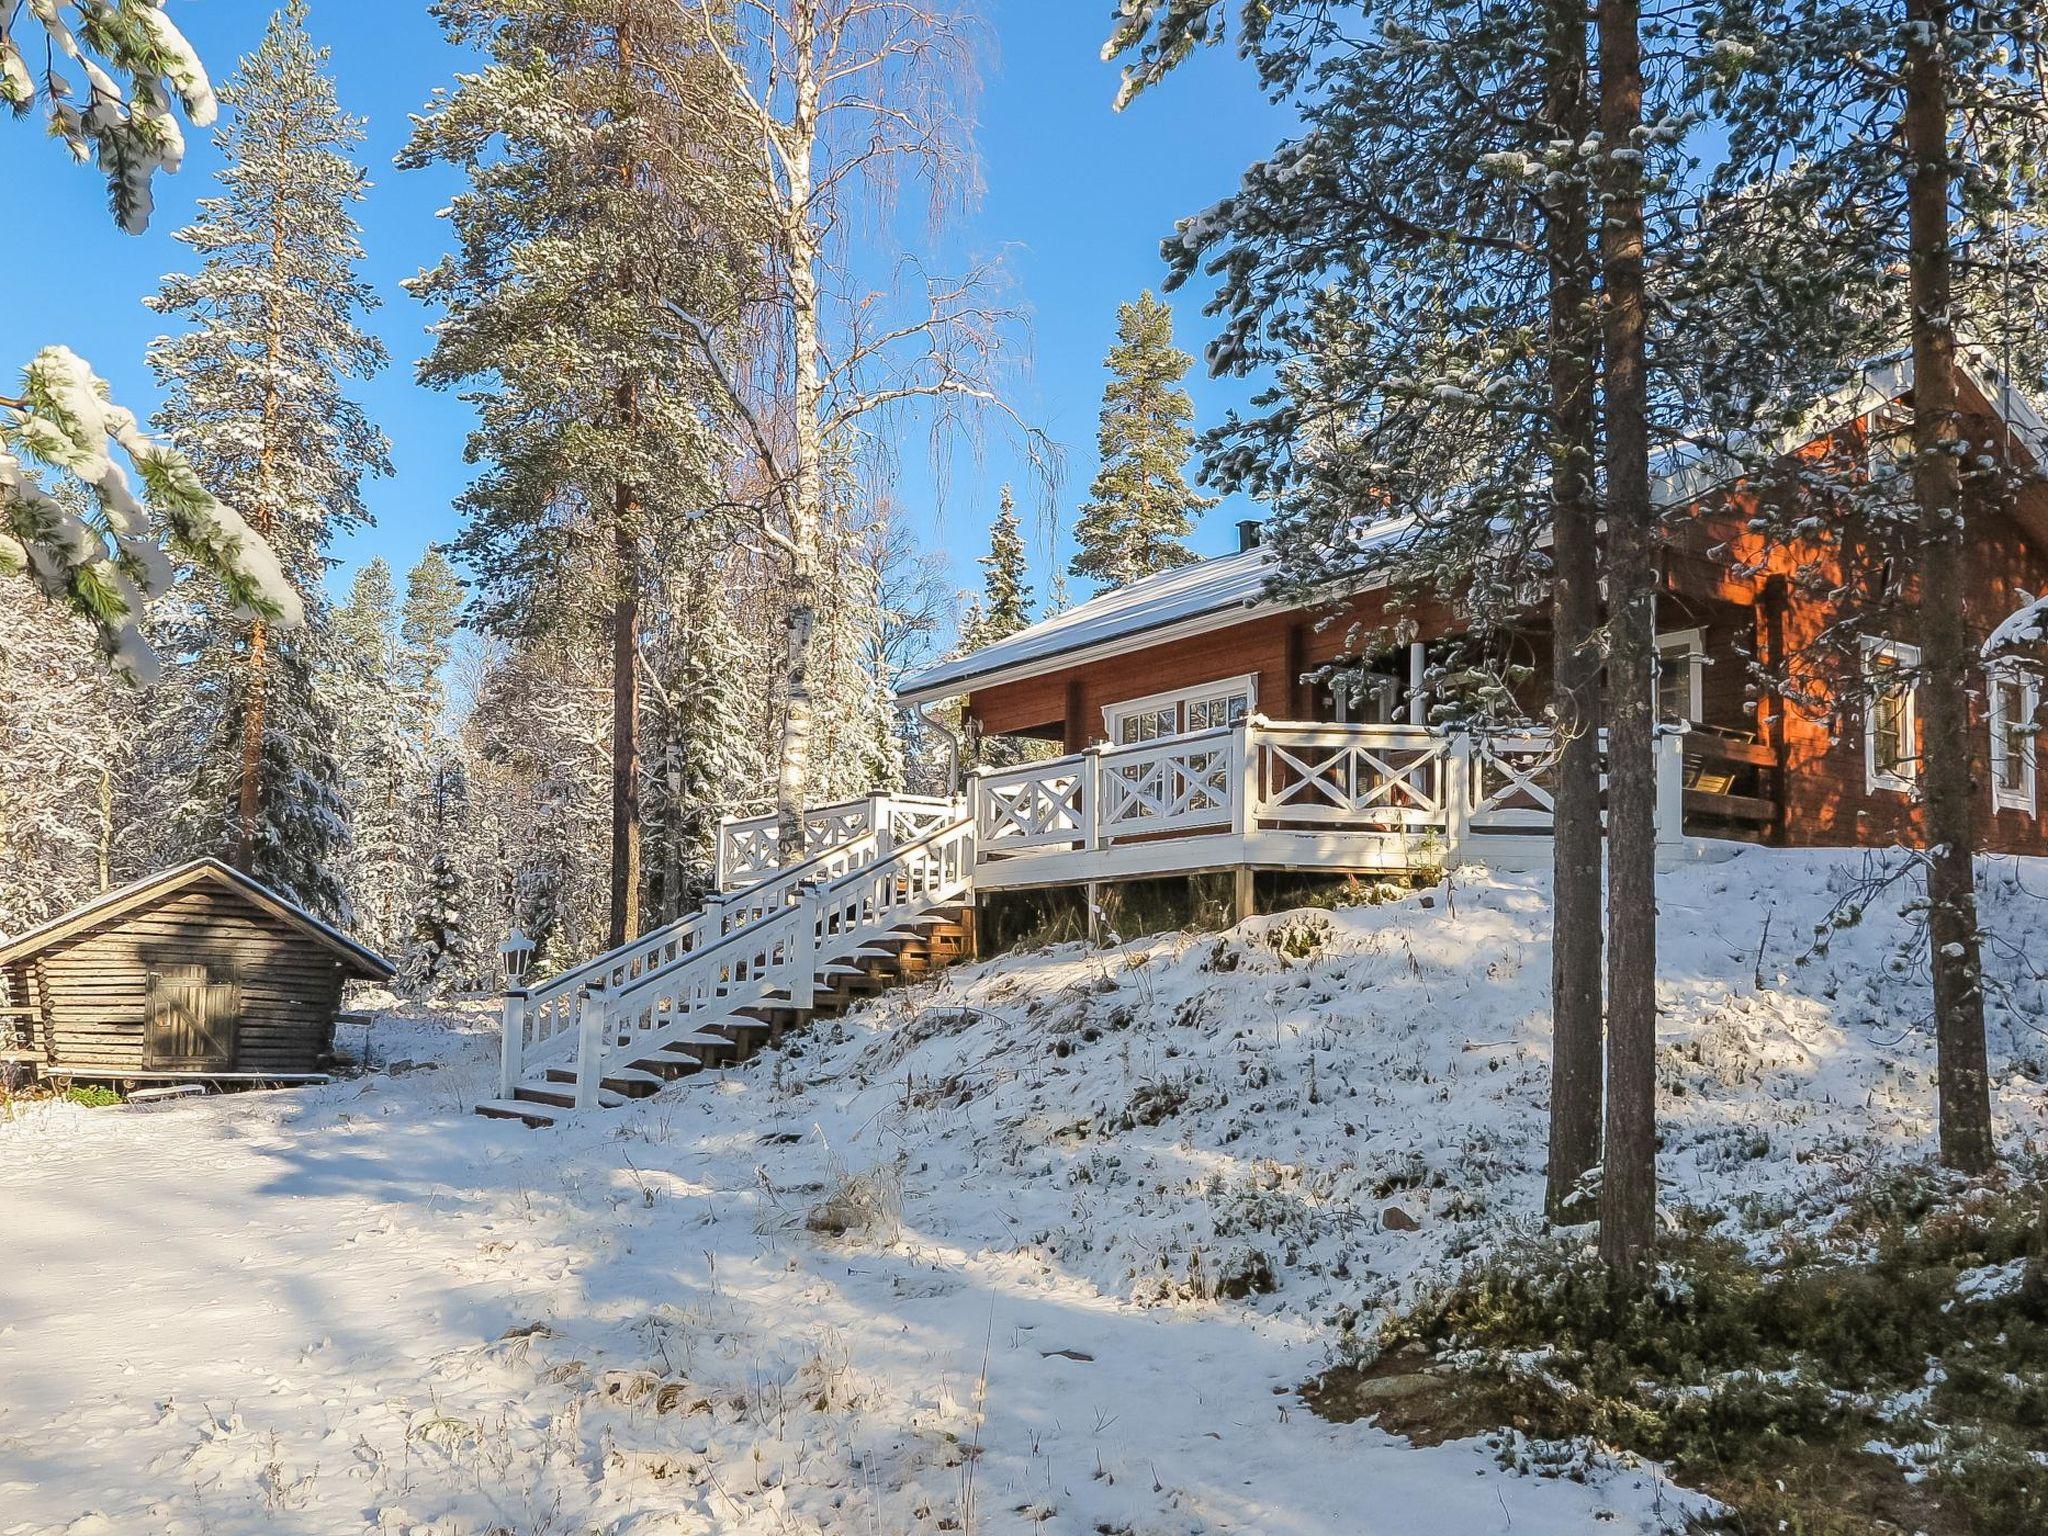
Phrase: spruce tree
[443,953]
[1140,508]
[255,395]
[432,614]
[380,761]
[1004,606]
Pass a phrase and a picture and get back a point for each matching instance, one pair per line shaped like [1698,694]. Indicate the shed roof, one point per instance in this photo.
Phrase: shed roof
[364,963]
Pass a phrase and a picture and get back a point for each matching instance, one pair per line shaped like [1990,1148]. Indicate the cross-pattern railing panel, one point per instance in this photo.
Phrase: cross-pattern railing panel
[1035,805]
[1513,782]
[1386,777]
[1176,785]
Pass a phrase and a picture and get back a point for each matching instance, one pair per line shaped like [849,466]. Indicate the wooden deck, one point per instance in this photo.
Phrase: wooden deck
[1259,795]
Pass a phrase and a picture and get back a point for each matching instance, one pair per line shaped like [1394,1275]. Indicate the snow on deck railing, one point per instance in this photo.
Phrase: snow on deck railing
[1406,783]
[751,846]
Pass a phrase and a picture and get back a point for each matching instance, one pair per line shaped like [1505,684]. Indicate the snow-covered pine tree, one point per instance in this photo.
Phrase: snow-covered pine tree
[380,760]
[1140,508]
[432,614]
[1905,138]
[1434,345]
[608,194]
[443,953]
[256,396]
[69,517]
[1004,606]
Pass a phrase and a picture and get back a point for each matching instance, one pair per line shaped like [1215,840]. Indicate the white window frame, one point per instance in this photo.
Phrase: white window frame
[1694,647]
[1179,700]
[2012,685]
[1878,776]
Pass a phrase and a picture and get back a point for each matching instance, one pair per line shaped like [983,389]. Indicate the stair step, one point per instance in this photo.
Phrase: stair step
[564,1098]
[510,1109]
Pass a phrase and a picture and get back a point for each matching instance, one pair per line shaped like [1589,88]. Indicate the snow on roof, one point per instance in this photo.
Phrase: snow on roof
[1230,588]
[1207,594]
[119,902]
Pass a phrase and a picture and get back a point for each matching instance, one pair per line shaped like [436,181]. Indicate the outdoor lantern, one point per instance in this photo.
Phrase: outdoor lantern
[516,952]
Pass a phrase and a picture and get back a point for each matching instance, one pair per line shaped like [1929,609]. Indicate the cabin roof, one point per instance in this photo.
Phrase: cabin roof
[364,963]
[1228,589]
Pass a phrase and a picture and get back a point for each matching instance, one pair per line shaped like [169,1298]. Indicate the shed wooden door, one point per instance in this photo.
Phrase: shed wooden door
[192,1020]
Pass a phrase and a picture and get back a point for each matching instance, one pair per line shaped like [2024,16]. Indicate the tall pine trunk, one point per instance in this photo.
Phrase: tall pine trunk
[1628,1188]
[625,870]
[256,664]
[1955,961]
[625,896]
[1575,988]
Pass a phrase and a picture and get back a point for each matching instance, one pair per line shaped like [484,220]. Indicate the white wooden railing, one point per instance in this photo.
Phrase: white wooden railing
[1404,783]
[750,847]
[779,953]
[539,1024]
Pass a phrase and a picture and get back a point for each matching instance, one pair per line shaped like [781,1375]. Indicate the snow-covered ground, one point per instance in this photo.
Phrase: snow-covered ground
[1044,1245]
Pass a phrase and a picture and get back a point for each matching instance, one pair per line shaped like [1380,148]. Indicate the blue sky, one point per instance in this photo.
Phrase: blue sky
[1077,199]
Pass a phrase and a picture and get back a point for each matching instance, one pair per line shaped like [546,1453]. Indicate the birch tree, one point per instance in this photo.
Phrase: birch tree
[845,103]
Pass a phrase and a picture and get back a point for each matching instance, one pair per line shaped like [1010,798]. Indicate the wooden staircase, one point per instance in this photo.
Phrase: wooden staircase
[916,945]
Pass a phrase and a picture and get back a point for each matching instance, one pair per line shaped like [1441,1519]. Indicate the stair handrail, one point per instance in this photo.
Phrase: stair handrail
[778,951]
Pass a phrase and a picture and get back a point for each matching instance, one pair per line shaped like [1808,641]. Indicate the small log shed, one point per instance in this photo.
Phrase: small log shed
[198,973]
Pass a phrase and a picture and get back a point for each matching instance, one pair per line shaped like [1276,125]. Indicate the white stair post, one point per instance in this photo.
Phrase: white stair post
[512,1047]
[803,949]
[880,821]
[590,1044]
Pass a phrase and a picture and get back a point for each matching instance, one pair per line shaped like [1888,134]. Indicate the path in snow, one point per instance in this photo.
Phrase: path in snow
[286,1312]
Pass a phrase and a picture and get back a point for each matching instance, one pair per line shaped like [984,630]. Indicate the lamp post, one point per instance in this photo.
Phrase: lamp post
[515,954]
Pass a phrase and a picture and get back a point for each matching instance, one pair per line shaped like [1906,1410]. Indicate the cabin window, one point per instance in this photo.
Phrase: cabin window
[1681,659]
[2015,700]
[1224,702]
[1891,730]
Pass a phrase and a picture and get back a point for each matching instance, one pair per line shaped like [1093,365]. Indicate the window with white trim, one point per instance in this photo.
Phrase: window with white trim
[1891,715]
[2015,702]
[1223,702]
[1681,659]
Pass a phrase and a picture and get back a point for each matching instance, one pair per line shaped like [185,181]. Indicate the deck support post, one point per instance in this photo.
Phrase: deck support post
[1457,797]
[1671,787]
[1092,894]
[512,1049]
[1243,893]
[590,1045]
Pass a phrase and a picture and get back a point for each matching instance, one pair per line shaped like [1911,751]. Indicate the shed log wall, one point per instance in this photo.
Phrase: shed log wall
[91,990]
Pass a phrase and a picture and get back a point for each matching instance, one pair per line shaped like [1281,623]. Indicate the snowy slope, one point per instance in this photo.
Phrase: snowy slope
[950,1265]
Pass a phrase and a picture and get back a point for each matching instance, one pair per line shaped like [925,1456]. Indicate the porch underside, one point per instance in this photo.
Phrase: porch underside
[1332,852]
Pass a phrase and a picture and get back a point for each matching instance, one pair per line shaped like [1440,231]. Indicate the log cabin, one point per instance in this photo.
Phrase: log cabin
[197,973]
[1199,722]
